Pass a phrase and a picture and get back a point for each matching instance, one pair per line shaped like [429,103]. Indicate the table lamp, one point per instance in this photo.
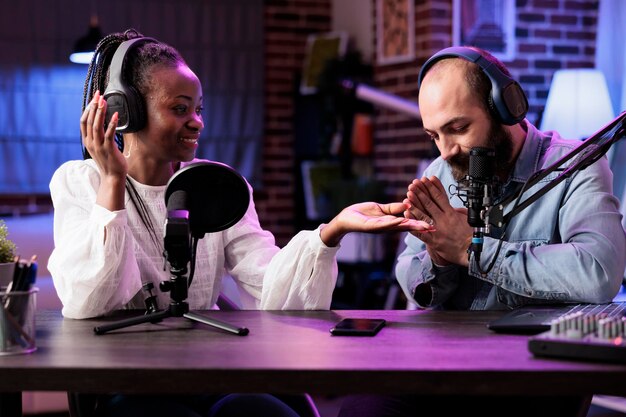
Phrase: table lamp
[578,103]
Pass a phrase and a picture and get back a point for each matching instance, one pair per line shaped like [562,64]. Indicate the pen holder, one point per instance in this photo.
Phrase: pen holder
[17,321]
[6,273]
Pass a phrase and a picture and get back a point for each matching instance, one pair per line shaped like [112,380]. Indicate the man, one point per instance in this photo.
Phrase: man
[567,246]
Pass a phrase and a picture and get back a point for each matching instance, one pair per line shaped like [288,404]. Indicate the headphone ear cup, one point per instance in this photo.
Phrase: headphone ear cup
[491,105]
[515,102]
[116,103]
[508,100]
[136,110]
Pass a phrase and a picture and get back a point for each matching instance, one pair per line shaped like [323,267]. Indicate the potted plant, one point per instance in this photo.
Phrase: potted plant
[7,255]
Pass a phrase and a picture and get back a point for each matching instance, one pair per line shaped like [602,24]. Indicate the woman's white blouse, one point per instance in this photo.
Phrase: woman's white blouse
[102,258]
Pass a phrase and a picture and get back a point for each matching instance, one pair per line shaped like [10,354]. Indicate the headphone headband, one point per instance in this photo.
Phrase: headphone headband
[121,97]
[507,98]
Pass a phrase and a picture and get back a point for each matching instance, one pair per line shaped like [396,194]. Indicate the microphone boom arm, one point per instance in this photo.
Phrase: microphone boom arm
[588,152]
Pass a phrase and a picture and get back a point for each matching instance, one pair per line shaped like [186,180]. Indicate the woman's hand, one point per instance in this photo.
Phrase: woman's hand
[103,149]
[100,144]
[371,217]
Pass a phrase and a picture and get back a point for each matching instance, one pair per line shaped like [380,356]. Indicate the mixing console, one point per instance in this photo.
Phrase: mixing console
[597,334]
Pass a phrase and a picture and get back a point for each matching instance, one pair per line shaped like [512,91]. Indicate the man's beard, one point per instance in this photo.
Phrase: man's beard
[498,139]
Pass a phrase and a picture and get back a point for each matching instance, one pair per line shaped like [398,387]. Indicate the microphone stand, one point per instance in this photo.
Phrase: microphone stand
[178,307]
[587,153]
[178,254]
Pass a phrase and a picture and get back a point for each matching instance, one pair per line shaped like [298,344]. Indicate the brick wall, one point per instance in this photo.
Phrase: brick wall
[550,34]
[287,25]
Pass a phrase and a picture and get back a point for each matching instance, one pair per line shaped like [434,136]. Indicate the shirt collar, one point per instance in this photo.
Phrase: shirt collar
[529,157]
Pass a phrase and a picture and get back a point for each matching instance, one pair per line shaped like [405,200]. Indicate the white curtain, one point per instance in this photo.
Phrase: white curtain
[611,59]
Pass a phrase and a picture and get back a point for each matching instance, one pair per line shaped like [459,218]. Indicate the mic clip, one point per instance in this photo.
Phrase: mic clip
[177,239]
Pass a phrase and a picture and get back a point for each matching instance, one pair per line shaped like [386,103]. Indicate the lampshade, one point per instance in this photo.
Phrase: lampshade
[578,103]
[85,46]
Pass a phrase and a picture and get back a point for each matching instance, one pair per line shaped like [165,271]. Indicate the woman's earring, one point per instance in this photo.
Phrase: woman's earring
[130,148]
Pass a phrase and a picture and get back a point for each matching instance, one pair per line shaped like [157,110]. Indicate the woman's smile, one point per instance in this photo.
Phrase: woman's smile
[190,141]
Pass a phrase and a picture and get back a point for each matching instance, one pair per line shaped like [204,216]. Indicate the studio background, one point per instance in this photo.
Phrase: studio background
[41,90]
[249,55]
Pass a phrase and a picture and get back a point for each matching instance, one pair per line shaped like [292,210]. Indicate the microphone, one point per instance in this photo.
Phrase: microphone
[177,235]
[177,202]
[202,197]
[478,188]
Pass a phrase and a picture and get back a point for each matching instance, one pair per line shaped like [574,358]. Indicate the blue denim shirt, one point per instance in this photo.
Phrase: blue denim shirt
[568,246]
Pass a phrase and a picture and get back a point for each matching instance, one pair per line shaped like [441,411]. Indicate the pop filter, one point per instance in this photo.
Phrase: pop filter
[217,196]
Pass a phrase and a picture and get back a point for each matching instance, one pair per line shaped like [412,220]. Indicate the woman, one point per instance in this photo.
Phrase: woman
[110,209]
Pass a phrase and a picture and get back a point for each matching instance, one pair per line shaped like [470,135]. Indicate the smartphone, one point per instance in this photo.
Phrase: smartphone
[357,327]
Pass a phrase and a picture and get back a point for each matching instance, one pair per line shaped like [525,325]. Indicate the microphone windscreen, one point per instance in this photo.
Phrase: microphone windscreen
[218,196]
[177,201]
[480,178]
[481,163]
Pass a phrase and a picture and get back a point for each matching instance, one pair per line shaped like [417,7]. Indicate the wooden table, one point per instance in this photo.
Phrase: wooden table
[430,352]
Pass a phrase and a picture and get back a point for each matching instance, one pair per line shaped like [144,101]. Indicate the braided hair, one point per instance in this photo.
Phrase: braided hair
[140,61]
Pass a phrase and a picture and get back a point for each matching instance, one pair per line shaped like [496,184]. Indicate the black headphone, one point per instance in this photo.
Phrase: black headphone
[122,97]
[507,99]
